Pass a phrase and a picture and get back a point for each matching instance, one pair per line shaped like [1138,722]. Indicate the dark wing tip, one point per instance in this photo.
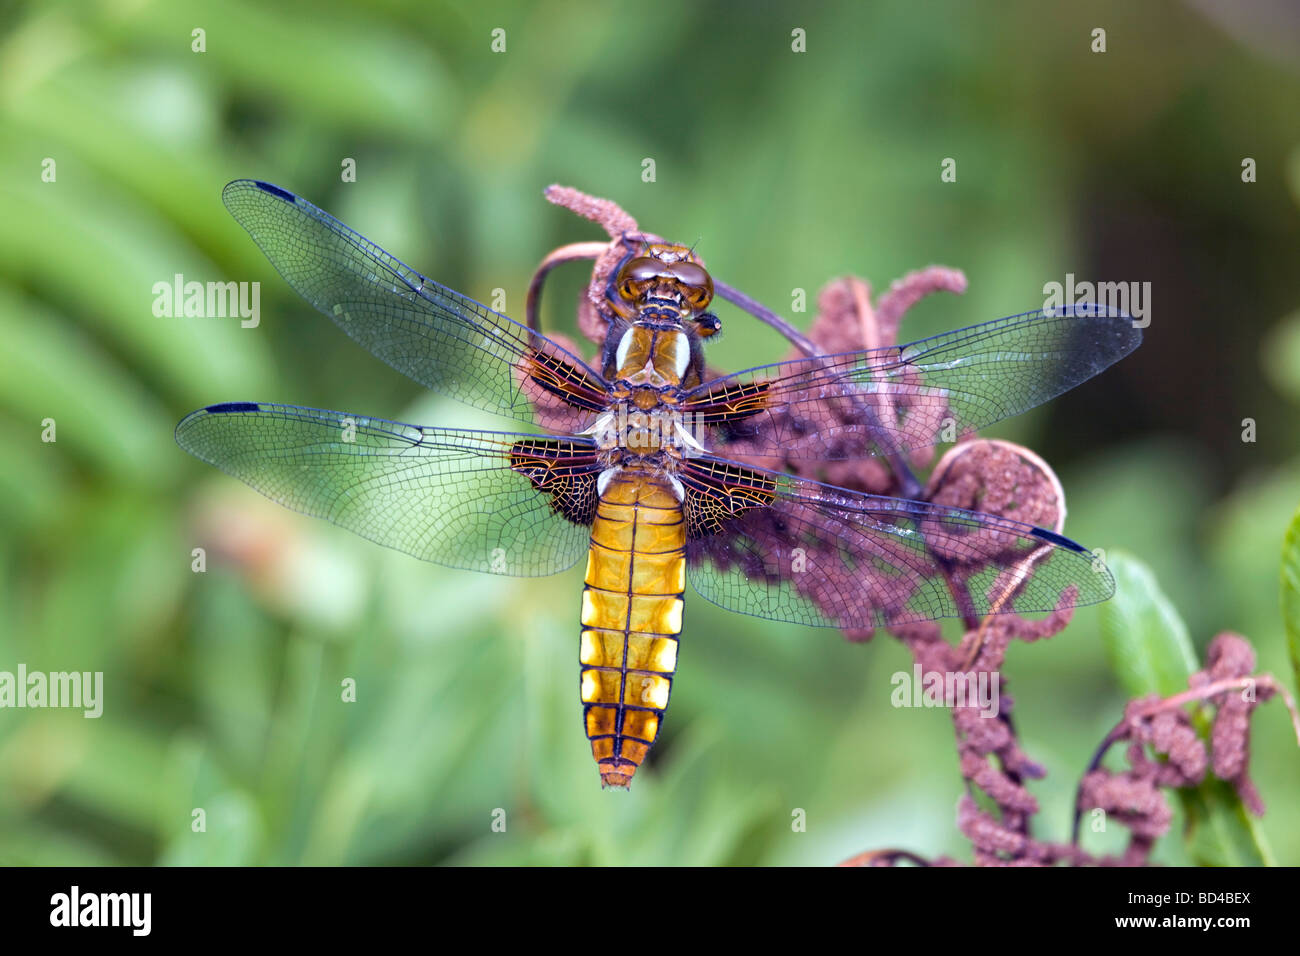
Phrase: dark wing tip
[1113,330]
[223,407]
[1059,540]
[272,188]
[1100,586]
[1097,338]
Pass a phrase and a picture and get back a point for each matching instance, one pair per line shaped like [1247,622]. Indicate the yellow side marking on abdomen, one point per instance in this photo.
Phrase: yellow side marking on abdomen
[631,617]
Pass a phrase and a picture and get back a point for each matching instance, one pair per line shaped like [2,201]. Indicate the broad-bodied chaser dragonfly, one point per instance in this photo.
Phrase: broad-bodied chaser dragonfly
[631,474]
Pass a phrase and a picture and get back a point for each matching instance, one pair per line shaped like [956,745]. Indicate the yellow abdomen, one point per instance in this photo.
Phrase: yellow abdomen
[631,617]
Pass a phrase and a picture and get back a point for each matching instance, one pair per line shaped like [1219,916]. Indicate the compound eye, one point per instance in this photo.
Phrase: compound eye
[690,273]
[642,268]
[699,298]
[635,273]
[696,281]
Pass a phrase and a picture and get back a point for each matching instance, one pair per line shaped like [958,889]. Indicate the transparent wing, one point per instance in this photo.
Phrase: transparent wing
[910,396]
[485,501]
[780,547]
[440,338]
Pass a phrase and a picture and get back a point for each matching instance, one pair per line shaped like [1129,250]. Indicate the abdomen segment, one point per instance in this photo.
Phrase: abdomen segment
[631,619]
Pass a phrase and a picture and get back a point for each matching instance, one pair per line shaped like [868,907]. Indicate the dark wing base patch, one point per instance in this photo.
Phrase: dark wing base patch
[562,471]
[720,492]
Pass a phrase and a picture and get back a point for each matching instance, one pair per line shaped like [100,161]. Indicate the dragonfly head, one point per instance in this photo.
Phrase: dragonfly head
[666,281]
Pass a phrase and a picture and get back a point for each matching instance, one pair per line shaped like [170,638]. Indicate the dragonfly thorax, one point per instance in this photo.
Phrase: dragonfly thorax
[650,355]
[643,428]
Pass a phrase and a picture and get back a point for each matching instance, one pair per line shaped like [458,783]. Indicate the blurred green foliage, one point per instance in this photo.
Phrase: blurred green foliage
[223,687]
[1290,581]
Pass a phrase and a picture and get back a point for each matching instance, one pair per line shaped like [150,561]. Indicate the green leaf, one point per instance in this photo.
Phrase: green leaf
[230,836]
[1291,592]
[1220,830]
[1146,640]
[1280,356]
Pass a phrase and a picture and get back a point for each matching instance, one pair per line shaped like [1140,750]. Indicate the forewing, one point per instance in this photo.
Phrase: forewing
[438,337]
[909,396]
[485,501]
[788,549]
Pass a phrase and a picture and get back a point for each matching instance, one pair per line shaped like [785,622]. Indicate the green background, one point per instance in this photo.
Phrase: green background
[222,688]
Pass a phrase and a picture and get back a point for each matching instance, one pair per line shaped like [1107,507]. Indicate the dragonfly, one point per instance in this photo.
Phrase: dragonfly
[630,470]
